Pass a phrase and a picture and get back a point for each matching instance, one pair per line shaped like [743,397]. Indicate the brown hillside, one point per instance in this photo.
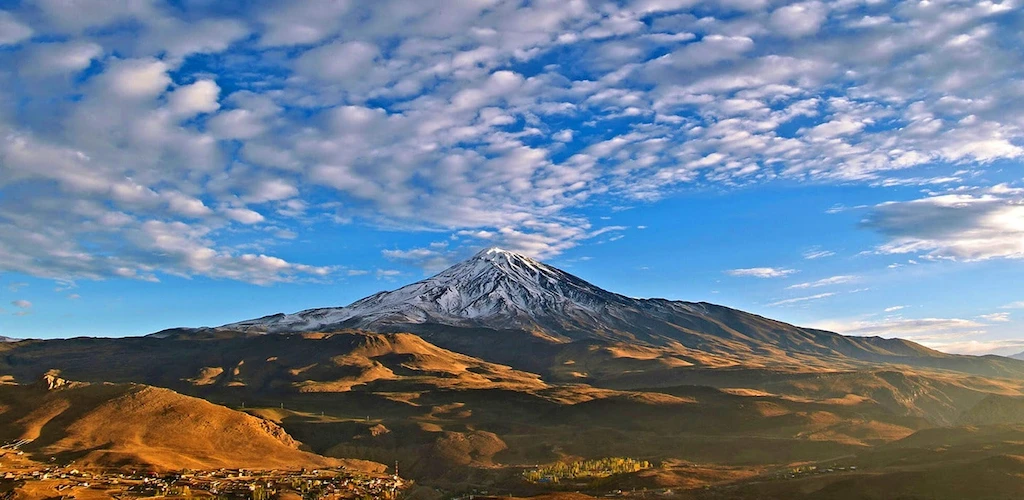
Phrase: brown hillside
[138,425]
[306,363]
[995,409]
[993,478]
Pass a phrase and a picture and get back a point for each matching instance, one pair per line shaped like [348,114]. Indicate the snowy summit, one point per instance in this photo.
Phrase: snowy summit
[495,288]
[505,293]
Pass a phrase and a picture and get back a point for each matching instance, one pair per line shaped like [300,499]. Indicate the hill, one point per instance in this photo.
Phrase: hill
[262,364]
[138,425]
[995,409]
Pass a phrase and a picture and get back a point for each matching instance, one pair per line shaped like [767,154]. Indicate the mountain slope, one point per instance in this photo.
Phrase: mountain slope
[508,308]
[493,289]
[310,363]
[114,424]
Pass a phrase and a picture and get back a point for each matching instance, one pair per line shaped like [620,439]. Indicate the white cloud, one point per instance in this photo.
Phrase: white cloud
[272,190]
[179,39]
[21,304]
[953,335]
[339,61]
[434,258]
[799,19]
[563,136]
[237,124]
[834,280]
[928,331]
[761,272]
[607,229]
[12,31]
[980,347]
[1014,305]
[421,116]
[833,129]
[291,23]
[710,50]
[894,309]
[186,205]
[66,17]
[137,78]
[955,226]
[60,58]
[198,97]
[244,215]
[189,249]
[798,300]
[818,254]
[1001,317]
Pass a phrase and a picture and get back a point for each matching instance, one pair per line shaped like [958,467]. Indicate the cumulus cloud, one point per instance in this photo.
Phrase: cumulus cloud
[60,58]
[710,50]
[799,19]
[339,61]
[11,30]
[976,226]
[271,190]
[199,97]
[761,272]
[136,78]
[244,215]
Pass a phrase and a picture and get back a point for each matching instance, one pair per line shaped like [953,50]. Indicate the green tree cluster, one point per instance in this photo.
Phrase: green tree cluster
[585,469]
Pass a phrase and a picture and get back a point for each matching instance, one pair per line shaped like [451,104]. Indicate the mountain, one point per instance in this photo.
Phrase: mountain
[508,308]
[1019,355]
[494,289]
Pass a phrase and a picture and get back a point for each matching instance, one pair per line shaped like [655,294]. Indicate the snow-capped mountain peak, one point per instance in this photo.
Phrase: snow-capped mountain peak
[497,299]
[495,288]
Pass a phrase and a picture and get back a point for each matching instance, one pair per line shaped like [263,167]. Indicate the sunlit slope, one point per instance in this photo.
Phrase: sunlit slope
[268,364]
[138,425]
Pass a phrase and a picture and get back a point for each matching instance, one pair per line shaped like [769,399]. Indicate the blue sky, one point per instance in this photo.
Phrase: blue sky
[849,165]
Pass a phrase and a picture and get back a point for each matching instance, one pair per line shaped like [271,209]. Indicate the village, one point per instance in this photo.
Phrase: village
[70,481]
